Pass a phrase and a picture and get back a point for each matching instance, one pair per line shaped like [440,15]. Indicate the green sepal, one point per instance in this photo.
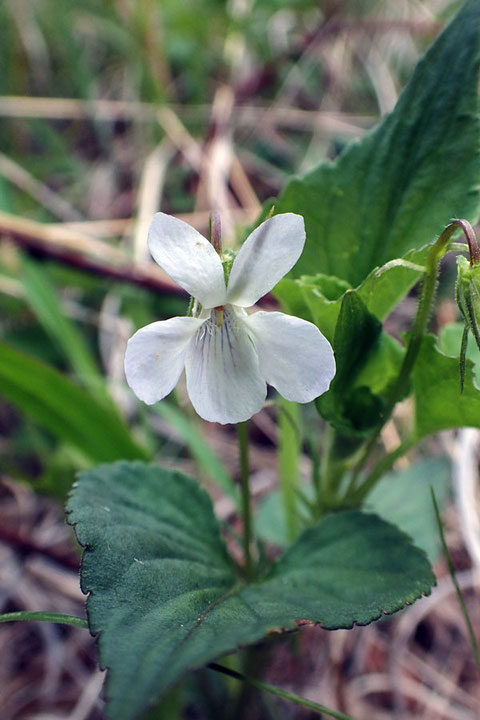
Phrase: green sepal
[228,256]
[463,356]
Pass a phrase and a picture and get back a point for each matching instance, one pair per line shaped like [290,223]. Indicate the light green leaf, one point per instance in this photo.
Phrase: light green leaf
[290,294]
[64,409]
[304,297]
[449,343]
[318,298]
[403,498]
[164,595]
[439,404]
[402,183]
[385,286]
[270,521]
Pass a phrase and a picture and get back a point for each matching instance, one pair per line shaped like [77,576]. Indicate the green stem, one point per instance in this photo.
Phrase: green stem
[331,471]
[357,496]
[321,709]
[338,455]
[52,617]
[324,488]
[288,459]
[246,499]
[451,569]
[419,327]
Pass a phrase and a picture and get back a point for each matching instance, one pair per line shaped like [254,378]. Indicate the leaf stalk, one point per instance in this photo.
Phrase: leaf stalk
[422,317]
[260,685]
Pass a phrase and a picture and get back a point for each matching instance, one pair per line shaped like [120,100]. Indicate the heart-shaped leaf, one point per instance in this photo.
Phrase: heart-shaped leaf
[400,185]
[165,597]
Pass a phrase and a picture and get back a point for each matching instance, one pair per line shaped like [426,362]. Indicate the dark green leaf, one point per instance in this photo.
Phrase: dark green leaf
[164,596]
[400,185]
[367,362]
[64,409]
[355,333]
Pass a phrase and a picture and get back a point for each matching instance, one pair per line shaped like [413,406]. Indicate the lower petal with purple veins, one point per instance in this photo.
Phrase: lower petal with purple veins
[224,381]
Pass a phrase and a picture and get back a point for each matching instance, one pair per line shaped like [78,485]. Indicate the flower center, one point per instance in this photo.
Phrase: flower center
[218,315]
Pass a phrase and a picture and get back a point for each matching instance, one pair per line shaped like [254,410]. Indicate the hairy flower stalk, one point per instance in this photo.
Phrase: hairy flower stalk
[229,355]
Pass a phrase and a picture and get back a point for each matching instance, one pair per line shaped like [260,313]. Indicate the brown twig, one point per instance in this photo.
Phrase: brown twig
[89,255]
[370,25]
[85,253]
[247,116]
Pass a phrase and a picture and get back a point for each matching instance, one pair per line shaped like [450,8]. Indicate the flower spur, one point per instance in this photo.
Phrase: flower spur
[229,356]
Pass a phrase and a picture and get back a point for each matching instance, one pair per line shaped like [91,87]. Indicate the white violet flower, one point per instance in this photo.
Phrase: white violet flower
[229,356]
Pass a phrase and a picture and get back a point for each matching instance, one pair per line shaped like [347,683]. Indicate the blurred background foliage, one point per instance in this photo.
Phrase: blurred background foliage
[111,111]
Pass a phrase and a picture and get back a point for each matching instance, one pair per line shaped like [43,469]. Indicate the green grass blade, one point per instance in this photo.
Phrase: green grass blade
[46,306]
[451,569]
[296,699]
[64,409]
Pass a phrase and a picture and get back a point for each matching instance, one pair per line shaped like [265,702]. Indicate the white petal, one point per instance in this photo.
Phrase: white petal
[223,377]
[155,357]
[188,258]
[265,257]
[293,355]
